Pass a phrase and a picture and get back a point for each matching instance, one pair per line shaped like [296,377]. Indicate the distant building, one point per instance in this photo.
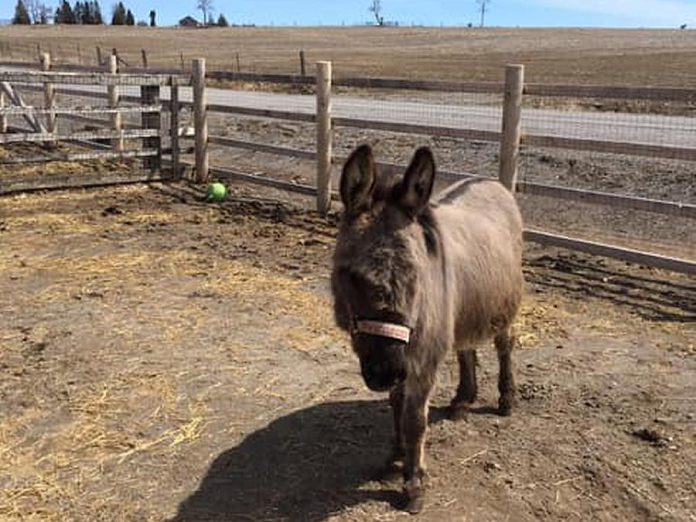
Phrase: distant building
[189,21]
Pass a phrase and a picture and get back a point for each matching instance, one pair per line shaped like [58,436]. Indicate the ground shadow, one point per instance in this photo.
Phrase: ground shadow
[653,298]
[304,466]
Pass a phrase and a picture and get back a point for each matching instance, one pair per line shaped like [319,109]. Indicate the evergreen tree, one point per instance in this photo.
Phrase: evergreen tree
[65,14]
[119,16]
[21,16]
[79,11]
[222,21]
[96,13]
[130,19]
[153,16]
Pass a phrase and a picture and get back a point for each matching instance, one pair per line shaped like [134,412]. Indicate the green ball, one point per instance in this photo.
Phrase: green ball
[217,191]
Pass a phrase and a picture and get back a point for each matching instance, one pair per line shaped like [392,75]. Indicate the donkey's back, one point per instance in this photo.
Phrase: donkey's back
[482,234]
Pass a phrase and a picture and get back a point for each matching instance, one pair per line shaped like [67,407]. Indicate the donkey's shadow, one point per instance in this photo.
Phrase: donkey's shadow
[302,467]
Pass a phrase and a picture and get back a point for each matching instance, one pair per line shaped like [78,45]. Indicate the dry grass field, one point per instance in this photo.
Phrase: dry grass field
[584,56]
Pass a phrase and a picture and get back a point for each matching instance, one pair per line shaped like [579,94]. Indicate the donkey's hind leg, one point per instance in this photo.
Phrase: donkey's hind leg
[504,343]
[467,390]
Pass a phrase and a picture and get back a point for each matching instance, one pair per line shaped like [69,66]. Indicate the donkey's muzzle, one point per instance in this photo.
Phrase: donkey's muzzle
[383,366]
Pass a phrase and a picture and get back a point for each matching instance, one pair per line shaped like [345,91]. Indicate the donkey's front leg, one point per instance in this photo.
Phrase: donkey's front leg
[414,423]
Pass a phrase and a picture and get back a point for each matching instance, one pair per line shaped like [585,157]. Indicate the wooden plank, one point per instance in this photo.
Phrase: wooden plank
[113,97]
[626,93]
[262,113]
[669,208]
[200,116]
[82,156]
[36,137]
[421,85]
[49,95]
[324,138]
[262,180]
[512,129]
[3,115]
[262,147]
[469,134]
[613,147]
[611,251]
[72,182]
[63,111]
[150,95]
[174,108]
[293,79]
[97,78]
[16,98]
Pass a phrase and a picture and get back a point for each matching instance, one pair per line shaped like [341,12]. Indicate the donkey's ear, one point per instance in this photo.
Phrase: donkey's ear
[358,179]
[414,190]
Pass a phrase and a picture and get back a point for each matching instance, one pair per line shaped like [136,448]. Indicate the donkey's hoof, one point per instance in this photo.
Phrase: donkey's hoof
[505,405]
[458,411]
[415,505]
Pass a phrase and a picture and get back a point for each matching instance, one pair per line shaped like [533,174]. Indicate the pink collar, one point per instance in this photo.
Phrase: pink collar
[390,330]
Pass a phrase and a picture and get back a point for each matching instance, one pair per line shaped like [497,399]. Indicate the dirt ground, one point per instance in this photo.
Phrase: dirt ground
[568,56]
[164,358]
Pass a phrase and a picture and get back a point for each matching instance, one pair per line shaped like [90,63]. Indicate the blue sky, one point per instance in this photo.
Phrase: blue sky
[524,13]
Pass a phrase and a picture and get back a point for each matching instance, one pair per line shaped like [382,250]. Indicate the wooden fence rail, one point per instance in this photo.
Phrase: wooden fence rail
[510,139]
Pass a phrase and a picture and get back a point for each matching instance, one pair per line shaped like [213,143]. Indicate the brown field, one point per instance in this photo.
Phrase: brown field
[582,56]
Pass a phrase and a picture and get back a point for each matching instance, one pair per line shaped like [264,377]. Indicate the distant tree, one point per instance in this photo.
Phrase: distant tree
[130,19]
[153,16]
[683,26]
[376,9]
[38,11]
[483,5]
[141,23]
[96,13]
[80,12]
[21,16]
[206,6]
[222,21]
[65,14]
[118,16]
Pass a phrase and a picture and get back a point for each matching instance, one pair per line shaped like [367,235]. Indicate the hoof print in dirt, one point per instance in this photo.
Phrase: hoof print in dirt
[112,211]
[653,437]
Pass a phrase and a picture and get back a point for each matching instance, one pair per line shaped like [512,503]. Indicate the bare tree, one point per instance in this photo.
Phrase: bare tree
[38,11]
[483,4]
[376,9]
[206,7]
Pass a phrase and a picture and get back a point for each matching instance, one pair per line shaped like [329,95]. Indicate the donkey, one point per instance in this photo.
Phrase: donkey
[414,278]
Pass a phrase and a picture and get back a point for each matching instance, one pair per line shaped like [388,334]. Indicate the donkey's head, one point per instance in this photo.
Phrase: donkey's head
[386,235]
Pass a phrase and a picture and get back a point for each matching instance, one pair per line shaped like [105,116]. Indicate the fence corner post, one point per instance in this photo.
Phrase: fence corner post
[200,111]
[511,130]
[3,118]
[324,137]
[174,108]
[113,95]
[49,97]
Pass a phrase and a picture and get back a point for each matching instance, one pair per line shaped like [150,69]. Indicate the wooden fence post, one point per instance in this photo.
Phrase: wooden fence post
[79,54]
[324,137]
[150,95]
[303,70]
[113,95]
[144,54]
[200,111]
[100,62]
[3,118]
[174,108]
[239,65]
[510,139]
[49,97]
